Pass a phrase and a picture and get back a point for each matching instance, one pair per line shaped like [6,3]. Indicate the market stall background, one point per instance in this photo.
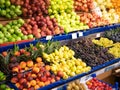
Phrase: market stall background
[26,23]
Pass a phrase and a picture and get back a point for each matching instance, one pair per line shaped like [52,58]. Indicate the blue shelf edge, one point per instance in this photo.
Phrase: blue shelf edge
[66,36]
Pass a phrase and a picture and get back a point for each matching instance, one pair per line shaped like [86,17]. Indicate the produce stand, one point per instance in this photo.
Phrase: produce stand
[59,44]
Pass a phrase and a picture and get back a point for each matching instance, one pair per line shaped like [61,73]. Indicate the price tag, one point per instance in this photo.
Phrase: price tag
[109,68]
[98,35]
[85,78]
[48,37]
[80,34]
[74,35]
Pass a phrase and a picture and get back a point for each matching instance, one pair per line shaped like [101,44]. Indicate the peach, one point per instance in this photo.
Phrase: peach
[34,76]
[26,68]
[52,80]
[57,78]
[39,59]
[47,83]
[47,67]
[47,73]
[22,64]
[20,75]
[36,69]
[15,69]
[22,80]
[17,85]
[41,84]
[17,53]
[14,80]
[32,82]
[24,88]
[60,73]
[21,87]
[27,53]
[43,78]
[30,63]
[22,51]
[36,87]
[4,53]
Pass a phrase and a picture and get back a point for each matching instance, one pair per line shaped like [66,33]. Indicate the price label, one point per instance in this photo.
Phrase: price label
[109,68]
[48,37]
[74,35]
[98,35]
[85,78]
[80,34]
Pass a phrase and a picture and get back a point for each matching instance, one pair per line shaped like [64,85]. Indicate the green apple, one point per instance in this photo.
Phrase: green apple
[24,37]
[20,34]
[1,35]
[11,31]
[12,7]
[15,22]
[21,21]
[8,26]
[1,41]
[18,39]
[7,34]
[2,2]
[30,36]
[7,3]
[5,39]
[4,29]
[3,12]
[8,16]
[1,26]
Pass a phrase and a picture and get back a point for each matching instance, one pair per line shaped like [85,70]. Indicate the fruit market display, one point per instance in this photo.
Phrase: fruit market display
[41,26]
[113,35]
[103,42]
[39,76]
[84,5]
[5,87]
[11,32]
[116,5]
[88,19]
[113,48]
[64,57]
[33,8]
[76,85]
[90,53]
[8,10]
[66,17]
[108,10]
[95,84]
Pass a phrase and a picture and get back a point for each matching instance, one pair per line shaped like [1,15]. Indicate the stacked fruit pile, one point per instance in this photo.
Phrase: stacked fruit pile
[39,76]
[116,5]
[11,32]
[8,10]
[87,10]
[33,8]
[76,85]
[90,53]
[113,48]
[64,57]
[41,26]
[108,11]
[66,17]
[95,84]
[113,35]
